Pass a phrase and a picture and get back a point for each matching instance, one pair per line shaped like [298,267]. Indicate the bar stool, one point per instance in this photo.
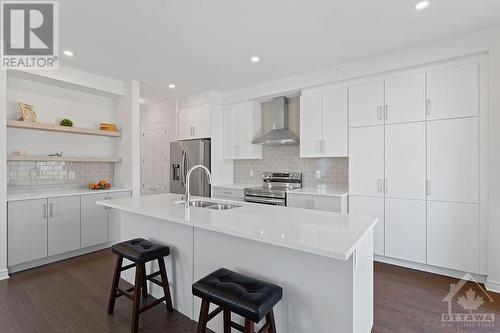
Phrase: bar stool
[139,251]
[233,292]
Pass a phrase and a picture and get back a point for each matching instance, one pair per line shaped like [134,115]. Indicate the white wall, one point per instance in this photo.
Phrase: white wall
[3,177]
[163,112]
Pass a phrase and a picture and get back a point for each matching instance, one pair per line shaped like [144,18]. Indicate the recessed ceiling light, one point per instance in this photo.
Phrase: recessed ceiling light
[171,86]
[422,5]
[255,59]
[68,53]
[142,100]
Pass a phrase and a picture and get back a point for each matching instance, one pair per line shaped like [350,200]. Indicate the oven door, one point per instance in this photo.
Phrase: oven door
[266,200]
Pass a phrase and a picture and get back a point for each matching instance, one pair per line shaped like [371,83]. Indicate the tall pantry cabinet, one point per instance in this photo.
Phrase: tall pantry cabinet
[414,163]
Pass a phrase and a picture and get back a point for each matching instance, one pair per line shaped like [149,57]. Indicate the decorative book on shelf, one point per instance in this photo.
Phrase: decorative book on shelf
[57,128]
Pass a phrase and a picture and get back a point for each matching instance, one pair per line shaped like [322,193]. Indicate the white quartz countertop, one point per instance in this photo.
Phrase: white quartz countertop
[31,195]
[322,233]
[319,190]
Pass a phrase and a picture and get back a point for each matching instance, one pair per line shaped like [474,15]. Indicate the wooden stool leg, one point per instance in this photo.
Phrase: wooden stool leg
[249,326]
[166,287]
[270,320]
[137,297]
[203,320]
[144,282]
[114,286]
[227,321]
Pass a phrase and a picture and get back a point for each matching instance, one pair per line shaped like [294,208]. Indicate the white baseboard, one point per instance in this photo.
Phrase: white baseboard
[493,286]
[428,268]
[4,274]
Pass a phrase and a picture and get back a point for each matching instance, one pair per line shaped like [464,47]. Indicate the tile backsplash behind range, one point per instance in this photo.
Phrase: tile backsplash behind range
[24,176]
[333,171]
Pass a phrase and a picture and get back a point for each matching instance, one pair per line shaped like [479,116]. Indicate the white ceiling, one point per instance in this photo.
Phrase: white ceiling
[205,45]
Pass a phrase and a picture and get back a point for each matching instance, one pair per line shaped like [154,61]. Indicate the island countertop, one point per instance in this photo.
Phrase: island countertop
[322,233]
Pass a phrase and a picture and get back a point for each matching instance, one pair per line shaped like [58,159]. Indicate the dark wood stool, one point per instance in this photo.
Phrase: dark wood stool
[139,251]
[233,292]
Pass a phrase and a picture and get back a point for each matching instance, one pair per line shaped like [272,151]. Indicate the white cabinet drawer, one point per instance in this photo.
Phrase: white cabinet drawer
[318,202]
[231,193]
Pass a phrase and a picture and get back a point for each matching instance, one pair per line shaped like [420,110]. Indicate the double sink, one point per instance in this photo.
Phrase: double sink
[212,205]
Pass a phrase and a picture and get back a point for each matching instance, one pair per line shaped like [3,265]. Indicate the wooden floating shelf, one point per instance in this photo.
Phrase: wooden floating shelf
[61,159]
[57,128]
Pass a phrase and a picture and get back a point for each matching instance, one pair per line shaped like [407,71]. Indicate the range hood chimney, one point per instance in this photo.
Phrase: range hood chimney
[280,134]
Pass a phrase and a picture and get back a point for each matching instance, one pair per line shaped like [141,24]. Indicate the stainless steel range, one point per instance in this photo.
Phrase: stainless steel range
[274,187]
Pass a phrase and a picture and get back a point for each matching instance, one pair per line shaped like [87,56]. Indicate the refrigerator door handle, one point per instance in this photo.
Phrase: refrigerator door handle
[182,168]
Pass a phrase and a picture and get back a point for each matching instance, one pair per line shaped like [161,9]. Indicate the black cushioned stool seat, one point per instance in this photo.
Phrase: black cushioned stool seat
[248,297]
[140,251]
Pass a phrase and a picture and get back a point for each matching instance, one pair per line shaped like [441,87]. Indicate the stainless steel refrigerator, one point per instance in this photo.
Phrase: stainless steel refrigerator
[183,155]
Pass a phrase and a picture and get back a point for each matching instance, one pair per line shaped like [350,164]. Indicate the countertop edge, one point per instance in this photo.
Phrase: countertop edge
[62,194]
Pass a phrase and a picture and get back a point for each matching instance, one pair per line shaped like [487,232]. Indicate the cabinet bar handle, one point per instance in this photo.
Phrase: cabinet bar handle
[428,106]
[379,185]
[428,187]
[44,211]
[51,210]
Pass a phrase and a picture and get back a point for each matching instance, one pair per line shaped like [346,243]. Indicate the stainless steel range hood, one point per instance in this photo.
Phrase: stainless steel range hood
[280,134]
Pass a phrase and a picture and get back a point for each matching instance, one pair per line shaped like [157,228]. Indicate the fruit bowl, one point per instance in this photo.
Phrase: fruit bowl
[101,185]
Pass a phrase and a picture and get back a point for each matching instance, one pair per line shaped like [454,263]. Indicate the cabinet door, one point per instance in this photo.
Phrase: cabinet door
[405,160]
[366,161]
[327,203]
[94,220]
[299,201]
[453,235]
[311,125]
[230,132]
[453,92]
[453,160]
[245,131]
[405,229]
[366,103]
[334,123]
[185,124]
[200,116]
[370,206]
[64,225]
[27,231]
[405,98]
[114,217]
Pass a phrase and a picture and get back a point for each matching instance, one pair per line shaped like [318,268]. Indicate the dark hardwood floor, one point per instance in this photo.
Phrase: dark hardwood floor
[72,295]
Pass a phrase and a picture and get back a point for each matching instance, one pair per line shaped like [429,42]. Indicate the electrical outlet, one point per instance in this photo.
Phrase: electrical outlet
[251,173]
[318,174]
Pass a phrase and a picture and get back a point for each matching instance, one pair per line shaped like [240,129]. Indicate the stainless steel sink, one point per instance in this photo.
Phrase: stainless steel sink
[202,204]
[223,206]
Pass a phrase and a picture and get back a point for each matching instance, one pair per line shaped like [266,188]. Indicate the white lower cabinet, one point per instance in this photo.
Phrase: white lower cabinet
[27,231]
[453,235]
[94,220]
[317,202]
[228,193]
[405,229]
[63,225]
[114,217]
[371,206]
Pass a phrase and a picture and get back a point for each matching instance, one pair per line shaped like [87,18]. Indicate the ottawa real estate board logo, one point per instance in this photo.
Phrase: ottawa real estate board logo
[30,35]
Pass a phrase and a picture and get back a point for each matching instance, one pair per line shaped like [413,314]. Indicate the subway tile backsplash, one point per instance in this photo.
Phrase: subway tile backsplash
[24,176]
[332,171]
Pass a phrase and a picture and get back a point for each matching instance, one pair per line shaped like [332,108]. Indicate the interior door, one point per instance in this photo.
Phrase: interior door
[366,103]
[63,225]
[148,157]
[405,98]
[335,123]
[453,92]
[405,155]
[366,161]
[160,159]
[311,125]
[371,206]
[453,160]
[405,229]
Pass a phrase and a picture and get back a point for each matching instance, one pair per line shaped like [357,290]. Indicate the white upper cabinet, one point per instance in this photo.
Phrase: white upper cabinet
[242,124]
[311,125]
[405,99]
[323,124]
[405,157]
[366,161]
[335,123]
[366,104]
[194,122]
[453,92]
[453,160]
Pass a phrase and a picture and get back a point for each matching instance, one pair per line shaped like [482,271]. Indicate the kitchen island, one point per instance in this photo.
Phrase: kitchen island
[323,260]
